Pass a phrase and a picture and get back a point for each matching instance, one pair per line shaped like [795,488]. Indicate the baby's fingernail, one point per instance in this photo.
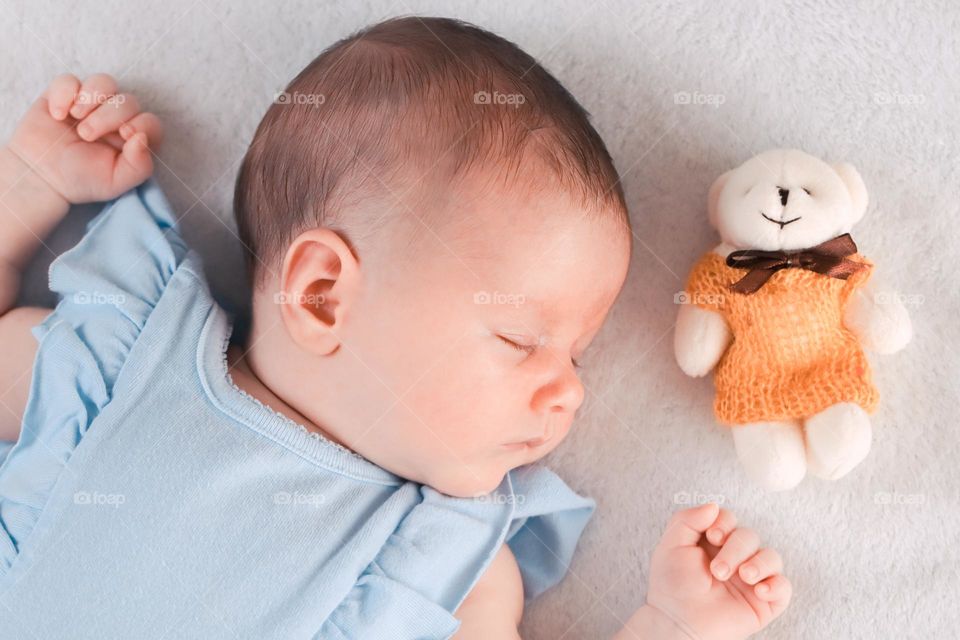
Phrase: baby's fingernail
[763,589]
[125,130]
[83,130]
[58,114]
[721,570]
[749,573]
[715,535]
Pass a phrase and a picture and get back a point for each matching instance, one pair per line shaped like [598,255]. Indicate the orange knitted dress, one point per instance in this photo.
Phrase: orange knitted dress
[791,355]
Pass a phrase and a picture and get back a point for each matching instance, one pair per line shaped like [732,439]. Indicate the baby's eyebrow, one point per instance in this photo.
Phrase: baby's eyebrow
[541,311]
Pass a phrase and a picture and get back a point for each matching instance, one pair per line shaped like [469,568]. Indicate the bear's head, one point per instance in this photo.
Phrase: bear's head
[785,199]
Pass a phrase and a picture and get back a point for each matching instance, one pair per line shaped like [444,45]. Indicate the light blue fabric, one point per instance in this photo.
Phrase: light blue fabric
[149,497]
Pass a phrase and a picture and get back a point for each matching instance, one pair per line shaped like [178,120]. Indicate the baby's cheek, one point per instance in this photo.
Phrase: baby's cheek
[441,427]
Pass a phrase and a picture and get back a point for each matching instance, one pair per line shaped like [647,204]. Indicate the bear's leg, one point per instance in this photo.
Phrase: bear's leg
[772,453]
[838,439]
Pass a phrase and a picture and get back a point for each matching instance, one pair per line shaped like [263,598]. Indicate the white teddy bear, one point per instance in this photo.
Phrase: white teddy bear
[781,308]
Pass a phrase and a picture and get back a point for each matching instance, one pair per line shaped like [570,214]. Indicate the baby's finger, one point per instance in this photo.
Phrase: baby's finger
[147,123]
[60,95]
[95,90]
[776,590]
[114,140]
[765,563]
[719,530]
[740,545]
[134,164]
[108,116]
[686,526]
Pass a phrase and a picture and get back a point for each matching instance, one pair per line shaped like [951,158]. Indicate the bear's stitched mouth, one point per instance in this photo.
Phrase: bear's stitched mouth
[779,222]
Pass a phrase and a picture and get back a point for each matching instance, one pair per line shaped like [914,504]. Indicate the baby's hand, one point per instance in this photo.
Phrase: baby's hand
[712,579]
[87,142]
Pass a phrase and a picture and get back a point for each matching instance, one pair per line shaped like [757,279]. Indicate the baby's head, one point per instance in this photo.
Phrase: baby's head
[435,233]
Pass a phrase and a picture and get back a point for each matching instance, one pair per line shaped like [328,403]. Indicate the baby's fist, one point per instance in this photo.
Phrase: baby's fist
[712,579]
[87,141]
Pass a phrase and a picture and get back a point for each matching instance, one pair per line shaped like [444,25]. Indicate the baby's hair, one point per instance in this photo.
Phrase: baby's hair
[412,104]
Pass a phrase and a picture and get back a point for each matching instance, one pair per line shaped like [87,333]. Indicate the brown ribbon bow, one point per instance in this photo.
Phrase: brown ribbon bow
[827,258]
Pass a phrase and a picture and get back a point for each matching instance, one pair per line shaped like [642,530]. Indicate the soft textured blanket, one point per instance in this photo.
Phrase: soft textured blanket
[681,92]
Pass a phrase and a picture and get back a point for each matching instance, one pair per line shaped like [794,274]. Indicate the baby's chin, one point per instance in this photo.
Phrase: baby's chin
[461,482]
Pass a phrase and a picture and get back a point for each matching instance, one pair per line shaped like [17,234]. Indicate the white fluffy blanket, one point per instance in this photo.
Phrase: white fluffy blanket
[681,92]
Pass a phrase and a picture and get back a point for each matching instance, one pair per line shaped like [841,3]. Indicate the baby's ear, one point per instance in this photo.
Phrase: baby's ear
[713,197]
[856,187]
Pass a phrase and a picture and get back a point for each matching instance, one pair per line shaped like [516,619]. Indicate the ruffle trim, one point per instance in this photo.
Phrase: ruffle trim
[431,562]
[107,285]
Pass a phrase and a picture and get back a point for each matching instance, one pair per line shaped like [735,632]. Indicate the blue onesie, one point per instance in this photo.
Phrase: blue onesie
[149,497]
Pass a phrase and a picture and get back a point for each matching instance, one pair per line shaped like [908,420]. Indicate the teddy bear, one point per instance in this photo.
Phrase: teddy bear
[782,309]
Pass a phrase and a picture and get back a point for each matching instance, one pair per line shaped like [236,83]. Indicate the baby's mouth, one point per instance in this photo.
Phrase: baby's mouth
[779,222]
[535,442]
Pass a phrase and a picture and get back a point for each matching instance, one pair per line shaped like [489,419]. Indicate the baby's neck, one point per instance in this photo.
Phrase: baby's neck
[247,380]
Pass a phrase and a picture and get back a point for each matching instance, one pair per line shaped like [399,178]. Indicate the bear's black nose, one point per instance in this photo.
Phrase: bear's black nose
[784,194]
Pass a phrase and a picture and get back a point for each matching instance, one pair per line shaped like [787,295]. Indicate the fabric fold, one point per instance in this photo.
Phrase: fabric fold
[104,302]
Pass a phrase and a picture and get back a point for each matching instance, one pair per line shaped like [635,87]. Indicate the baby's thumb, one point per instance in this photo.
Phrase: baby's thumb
[686,527]
[133,165]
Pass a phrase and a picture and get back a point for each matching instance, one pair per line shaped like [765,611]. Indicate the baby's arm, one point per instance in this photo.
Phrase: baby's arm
[29,209]
[77,143]
[492,610]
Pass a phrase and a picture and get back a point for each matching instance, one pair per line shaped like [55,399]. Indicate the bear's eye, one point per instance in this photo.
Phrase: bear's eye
[806,190]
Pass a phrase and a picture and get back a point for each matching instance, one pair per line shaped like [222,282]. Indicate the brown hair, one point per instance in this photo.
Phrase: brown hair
[407,99]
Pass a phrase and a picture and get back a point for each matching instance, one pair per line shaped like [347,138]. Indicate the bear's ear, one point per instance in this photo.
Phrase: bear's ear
[713,197]
[856,187]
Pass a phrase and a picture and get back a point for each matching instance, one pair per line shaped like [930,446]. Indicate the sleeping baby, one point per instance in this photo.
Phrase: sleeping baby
[434,233]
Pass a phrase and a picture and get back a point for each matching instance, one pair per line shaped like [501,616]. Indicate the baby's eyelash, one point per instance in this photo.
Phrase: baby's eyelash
[526,348]
[529,348]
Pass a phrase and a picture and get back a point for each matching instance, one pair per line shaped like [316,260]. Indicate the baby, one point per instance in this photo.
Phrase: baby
[435,233]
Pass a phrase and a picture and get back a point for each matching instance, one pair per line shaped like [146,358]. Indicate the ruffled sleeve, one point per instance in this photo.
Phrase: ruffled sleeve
[107,286]
[857,279]
[431,562]
[546,526]
[707,285]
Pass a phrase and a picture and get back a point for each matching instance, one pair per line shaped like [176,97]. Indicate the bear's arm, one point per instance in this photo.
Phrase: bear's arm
[874,314]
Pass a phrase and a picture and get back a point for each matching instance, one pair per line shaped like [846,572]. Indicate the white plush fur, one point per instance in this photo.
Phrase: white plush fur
[700,339]
[773,453]
[817,202]
[838,439]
